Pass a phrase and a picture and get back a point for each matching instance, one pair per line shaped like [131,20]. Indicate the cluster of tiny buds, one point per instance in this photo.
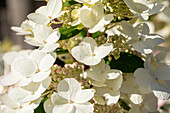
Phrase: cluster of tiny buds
[108,109]
[68,71]
[118,8]
[119,44]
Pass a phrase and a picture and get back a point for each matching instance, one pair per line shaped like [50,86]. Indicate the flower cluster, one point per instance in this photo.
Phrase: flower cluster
[117,65]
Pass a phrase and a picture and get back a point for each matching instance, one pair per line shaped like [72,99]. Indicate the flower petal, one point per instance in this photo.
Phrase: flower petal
[143,77]
[83,96]
[103,50]
[46,62]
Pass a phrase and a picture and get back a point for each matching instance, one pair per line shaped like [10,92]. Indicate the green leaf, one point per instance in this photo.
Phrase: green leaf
[67,33]
[127,62]
[40,108]
[60,51]
[84,33]
[124,105]
[96,34]
[69,3]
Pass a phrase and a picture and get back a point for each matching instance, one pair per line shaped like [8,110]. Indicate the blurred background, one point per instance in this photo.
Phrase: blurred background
[13,13]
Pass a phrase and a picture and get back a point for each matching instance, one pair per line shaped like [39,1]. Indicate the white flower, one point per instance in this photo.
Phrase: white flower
[144,8]
[30,92]
[26,68]
[45,38]
[102,71]
[148,105]
[141,40]
[26,28]
[155,76]
[133,90]
[88,53]
[87,1]
[110,90]
[106,82]
[15,107]
[70,98]
[45,14]
[94,18]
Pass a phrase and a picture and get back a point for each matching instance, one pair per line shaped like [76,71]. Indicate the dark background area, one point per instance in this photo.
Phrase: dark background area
[13,13]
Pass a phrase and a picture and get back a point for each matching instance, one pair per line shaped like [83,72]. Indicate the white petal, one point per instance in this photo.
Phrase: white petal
[84,14]
[91,60]
[9,57]
[136,98]
[24,81]
[80,52]
[143,77]
[57,99]
[10,78]
[37,56]
[131,4]
[7,101]
[18,94]
[33,41]
[66,108]
[83,96]
[9,110]
[40,76]
[53,37]
[42,10]
[155,8]
[90,40]
[26,109]
[113,74]
[84,108]
[129,30]
[115,84]
[49,47]
[161,89]
[162,72]
[143,47]
[46,62]
[48,106]
[150,101]
[69,86]
[98,11]
[25,67]
[38,18]
[143,28]
[135,109]
[97,27]
[103,50]
[41,32]
[54,7]
[112,98]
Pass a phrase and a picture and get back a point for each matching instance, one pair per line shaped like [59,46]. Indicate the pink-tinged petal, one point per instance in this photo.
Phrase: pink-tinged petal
[10,79]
